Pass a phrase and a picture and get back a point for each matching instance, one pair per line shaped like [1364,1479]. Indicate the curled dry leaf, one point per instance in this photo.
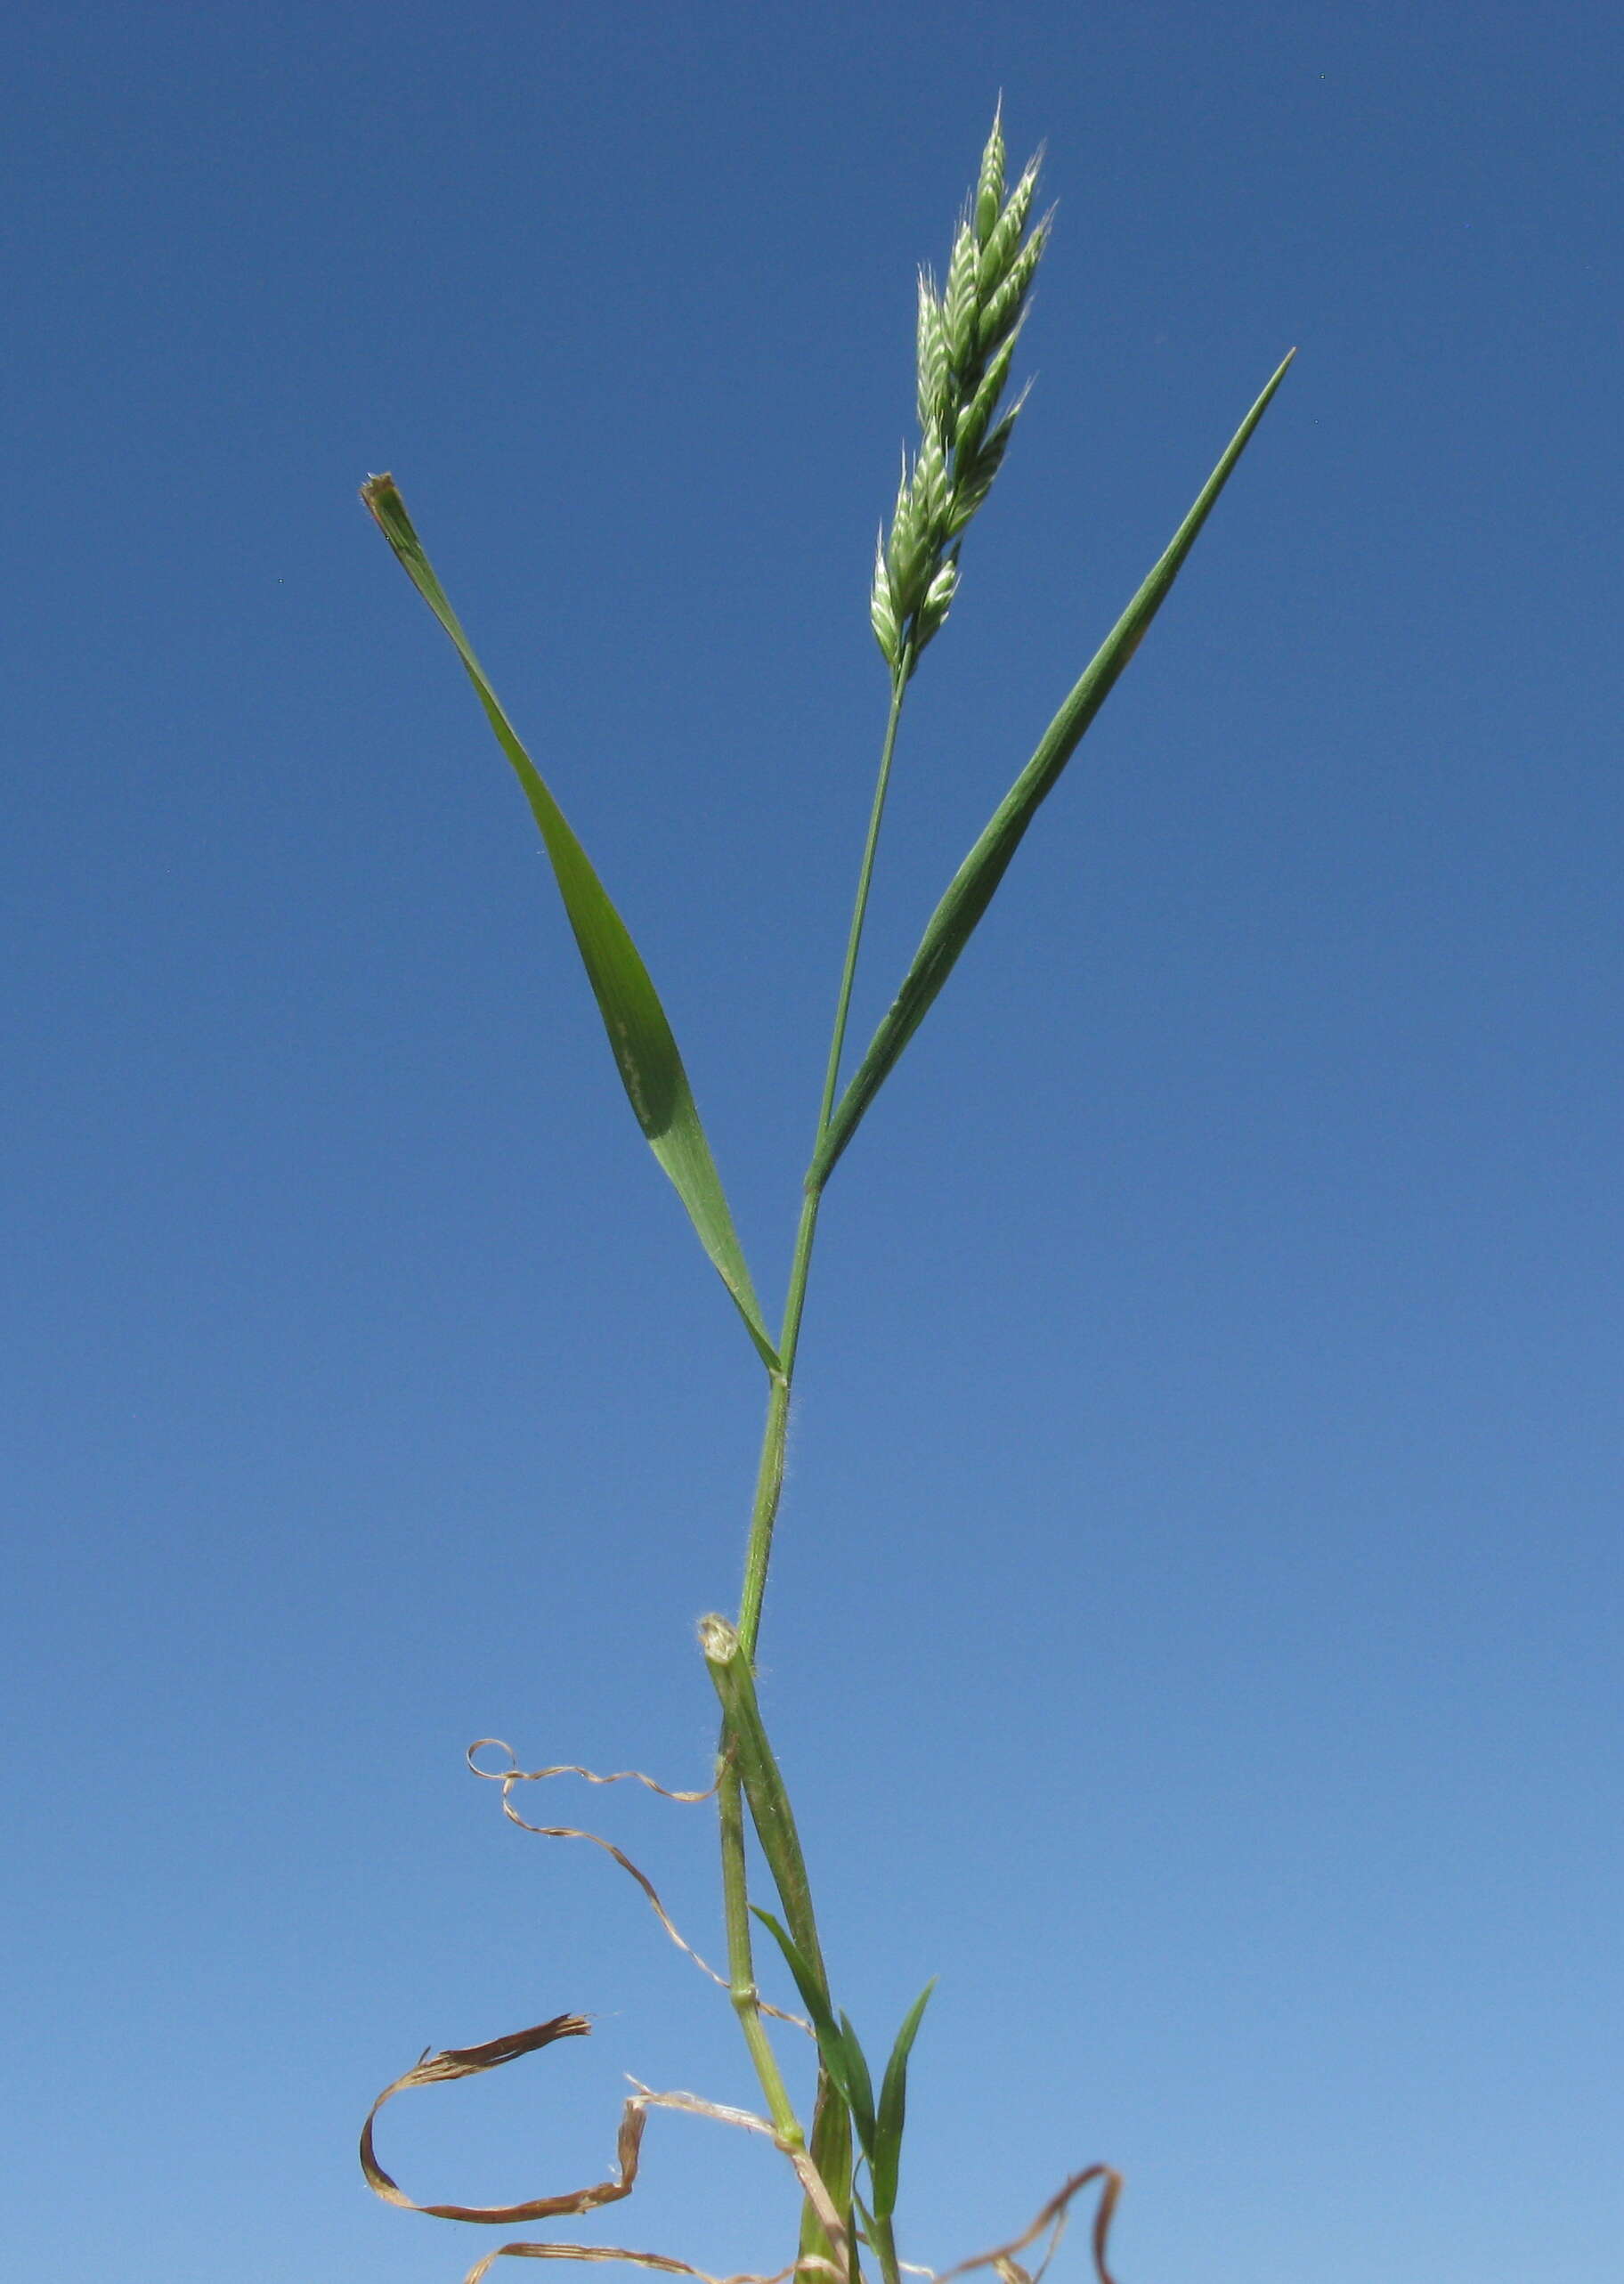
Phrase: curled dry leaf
[659,2260]
[811,2181]
[1053,2216]
[509,1778]
[468,2062]
[514,1775]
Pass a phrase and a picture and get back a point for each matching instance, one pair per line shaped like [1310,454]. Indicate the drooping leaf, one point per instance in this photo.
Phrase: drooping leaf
[885,2158]
[644,1050]
[974,884]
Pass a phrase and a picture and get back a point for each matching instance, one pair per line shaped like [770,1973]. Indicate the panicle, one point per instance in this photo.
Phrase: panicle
[966,337]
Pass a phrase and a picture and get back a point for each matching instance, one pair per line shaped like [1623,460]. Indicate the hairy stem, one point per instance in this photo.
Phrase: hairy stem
[741,1965]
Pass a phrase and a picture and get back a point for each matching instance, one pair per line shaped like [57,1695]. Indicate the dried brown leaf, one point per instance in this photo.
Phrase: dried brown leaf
[1053,2216]
[662,2261]
[509,1778]
[514,1775]
[468,2062]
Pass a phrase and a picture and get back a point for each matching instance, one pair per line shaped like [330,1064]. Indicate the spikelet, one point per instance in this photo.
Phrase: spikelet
[1002,311]
[929,490]
[961,303]
[972,420]
[934,377]
[1004,238]
[907,555]
[989,189]
[938,597]
[977,480]
[882,608]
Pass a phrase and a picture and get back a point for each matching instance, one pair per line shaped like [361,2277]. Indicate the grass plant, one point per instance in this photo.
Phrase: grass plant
[844,2145]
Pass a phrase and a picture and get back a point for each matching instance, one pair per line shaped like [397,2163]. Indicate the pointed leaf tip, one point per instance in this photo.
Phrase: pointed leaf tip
[639,1036]
[974,884]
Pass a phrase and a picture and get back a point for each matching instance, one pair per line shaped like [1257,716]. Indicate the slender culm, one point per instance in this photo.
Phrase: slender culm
[843,2142]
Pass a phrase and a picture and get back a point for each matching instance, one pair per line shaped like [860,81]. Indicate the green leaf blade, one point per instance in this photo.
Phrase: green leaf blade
[976,882]
[842,2056]
[830,2150]
[640,1038]
[814,1998]
[885,2158]
[862,2095]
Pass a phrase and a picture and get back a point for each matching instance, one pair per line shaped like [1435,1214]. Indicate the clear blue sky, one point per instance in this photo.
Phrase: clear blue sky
[1195,1632]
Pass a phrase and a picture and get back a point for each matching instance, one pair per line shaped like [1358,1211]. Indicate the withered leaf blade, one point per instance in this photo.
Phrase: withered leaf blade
[468,2062]
[514,1774]
[660,2259]
[465,2061]
[1052,2216]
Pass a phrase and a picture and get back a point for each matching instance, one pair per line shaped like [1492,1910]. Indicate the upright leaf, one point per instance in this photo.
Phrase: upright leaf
[836,2041]
[830,2150]
[887,2155]
[809,1982]
[973,885]
[856,2064]
[763,1781]
[644,1052]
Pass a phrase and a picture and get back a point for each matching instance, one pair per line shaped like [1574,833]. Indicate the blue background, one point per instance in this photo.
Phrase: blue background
[1195,1630]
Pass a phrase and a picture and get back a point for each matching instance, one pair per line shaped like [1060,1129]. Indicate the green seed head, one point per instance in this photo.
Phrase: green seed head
[966,337]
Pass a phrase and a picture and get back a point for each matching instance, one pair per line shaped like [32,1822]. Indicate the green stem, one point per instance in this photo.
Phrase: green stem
[770,1490]
[882,2236]
[753,1758]
[769,1475]
[740,1964]
[899,683]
